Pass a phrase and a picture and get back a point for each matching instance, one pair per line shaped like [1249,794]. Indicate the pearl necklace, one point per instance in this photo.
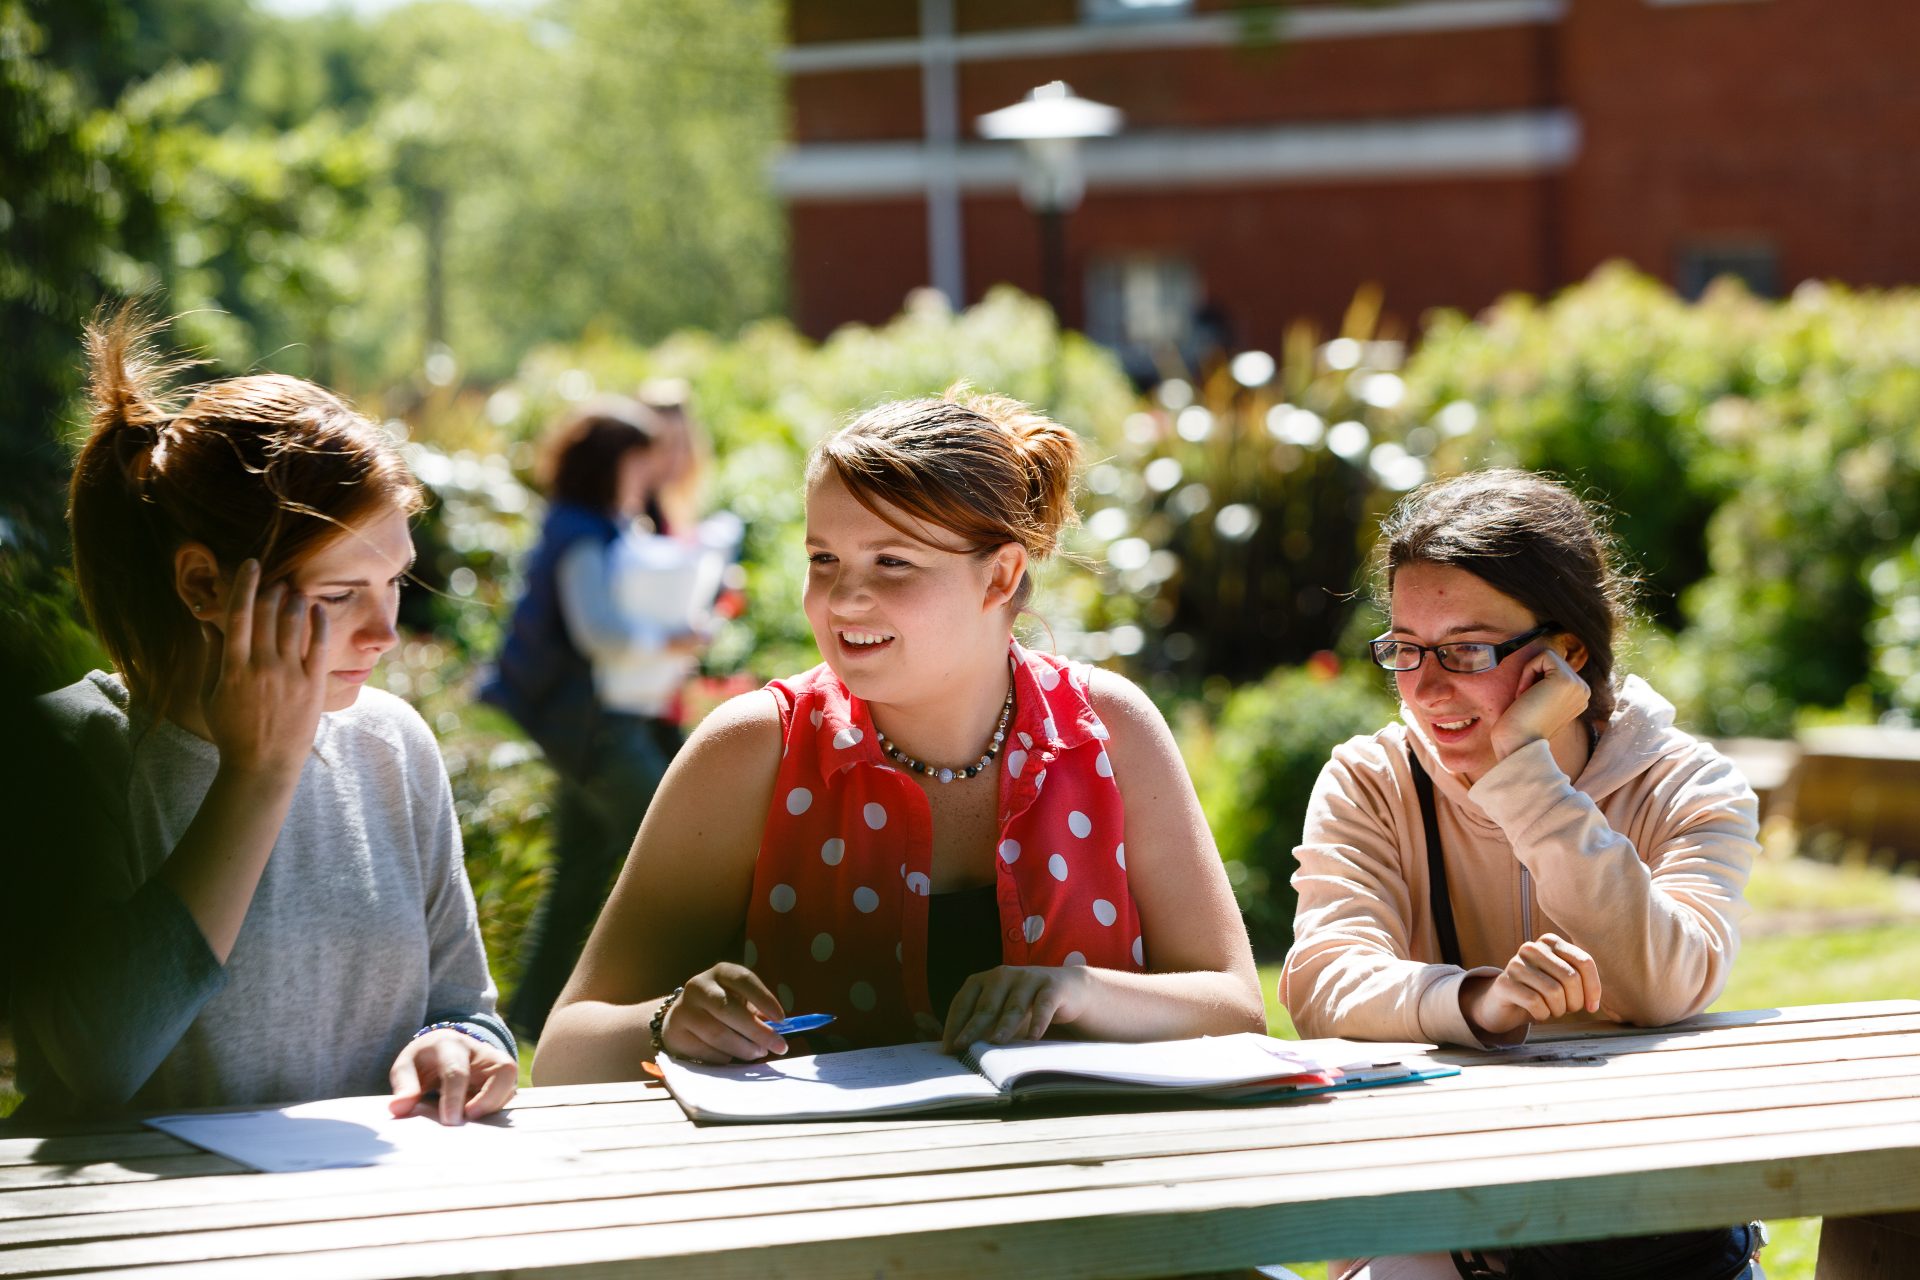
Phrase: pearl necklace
[906,761]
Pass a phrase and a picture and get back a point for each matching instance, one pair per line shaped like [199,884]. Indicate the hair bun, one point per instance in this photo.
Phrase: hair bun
[1051,451]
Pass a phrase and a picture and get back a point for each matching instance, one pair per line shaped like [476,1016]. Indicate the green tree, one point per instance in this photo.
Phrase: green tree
[72,210]
[599,167]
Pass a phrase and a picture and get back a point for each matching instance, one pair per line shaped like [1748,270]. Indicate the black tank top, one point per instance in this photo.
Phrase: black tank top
[963,938]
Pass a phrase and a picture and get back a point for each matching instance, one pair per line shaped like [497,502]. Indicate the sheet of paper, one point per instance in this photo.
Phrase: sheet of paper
[346,1133]
[1354,1054]
[907,1077]
[1199,1062]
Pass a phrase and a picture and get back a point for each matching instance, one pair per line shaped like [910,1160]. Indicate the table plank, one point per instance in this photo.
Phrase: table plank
[799,1163]
[1166,1228]
[643,1101]
[1489,1095]
[1787,1014]
[139,1169]
[1390,1163]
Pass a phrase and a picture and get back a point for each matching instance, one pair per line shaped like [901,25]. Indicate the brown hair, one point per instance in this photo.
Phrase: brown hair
[986,468]
[262,467]
[676,504]
[580,461]
[1530,537]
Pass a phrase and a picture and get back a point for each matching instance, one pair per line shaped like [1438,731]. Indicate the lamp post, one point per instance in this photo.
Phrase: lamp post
[1049,124]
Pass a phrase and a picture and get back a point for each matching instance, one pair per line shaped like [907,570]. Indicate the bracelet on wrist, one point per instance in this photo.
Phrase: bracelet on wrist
[461,1027]
[659,1024]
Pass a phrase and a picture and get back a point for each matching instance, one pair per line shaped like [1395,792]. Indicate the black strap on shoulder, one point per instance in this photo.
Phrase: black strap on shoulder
[1441,903]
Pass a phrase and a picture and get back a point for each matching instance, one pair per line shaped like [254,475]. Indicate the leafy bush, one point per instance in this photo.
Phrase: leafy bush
[1830,459]
[1761,459]
[1609,385]
[1255,767]
[1894,633]
[1235,516]
[500,789]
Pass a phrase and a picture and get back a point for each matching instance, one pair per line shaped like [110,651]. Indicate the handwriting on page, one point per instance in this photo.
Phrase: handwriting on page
[894,1077]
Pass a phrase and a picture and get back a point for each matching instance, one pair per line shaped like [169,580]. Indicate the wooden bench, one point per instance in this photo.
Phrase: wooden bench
[1768,1113]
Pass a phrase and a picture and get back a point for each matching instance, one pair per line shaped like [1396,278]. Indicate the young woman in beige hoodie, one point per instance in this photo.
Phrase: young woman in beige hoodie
[1594,855]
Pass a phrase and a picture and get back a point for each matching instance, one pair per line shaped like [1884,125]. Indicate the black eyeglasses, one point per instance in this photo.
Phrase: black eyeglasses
[1462,657]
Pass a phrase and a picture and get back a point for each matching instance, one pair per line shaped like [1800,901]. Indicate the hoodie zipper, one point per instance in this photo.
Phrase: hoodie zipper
[1526,904]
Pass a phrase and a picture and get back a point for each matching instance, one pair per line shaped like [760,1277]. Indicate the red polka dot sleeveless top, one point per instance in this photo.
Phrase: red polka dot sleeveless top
[838,920]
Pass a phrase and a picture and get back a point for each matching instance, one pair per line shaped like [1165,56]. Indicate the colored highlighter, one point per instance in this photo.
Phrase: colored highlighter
[800,1022]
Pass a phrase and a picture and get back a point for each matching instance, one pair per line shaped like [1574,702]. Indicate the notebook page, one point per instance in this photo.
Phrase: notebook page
[893,1078]
[1197,1063]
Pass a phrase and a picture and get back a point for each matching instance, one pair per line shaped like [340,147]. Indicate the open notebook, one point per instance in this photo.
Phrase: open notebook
[919,1078]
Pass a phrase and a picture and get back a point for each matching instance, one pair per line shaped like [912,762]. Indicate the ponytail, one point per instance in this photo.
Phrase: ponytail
[122,560]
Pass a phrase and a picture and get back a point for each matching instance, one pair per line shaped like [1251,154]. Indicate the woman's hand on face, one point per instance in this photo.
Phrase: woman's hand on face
[722,1016]
[1551,696]
[264,678]
[1014,1002]
[1547,978]
[474,1078]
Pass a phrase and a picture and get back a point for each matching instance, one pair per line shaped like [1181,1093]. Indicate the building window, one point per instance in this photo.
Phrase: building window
[1755,263]
[1133,10]
[1143,307]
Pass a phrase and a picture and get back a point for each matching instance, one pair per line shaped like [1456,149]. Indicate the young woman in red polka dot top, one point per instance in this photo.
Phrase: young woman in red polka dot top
[935,834]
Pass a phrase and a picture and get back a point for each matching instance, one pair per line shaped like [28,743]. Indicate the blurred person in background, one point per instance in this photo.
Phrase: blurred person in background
[263,898]
[872,838]
[1536,842]
[609,627]
[674,505]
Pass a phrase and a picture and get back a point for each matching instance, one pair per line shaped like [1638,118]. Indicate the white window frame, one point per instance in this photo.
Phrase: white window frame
[1120,276]
[1104,11]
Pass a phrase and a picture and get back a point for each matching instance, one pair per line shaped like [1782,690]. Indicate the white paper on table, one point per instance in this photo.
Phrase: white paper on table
[893,1078]
[347,1133]
[1355,1055]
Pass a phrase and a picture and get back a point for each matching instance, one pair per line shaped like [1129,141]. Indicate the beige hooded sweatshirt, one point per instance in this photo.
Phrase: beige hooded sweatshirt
[1642,861]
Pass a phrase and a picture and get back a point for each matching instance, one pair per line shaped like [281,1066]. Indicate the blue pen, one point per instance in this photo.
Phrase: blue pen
[800,1022]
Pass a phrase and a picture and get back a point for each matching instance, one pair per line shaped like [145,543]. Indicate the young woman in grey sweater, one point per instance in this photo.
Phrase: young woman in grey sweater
[264,900]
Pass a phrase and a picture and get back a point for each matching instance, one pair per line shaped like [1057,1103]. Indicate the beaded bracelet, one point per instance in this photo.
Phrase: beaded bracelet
[659,1024]
[461,1027]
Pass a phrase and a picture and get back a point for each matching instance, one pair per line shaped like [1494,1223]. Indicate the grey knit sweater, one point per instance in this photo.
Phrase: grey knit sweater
[362,929]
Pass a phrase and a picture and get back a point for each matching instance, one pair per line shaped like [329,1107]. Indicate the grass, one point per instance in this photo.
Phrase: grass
[1877,962]
[1783,885]
[1784,966]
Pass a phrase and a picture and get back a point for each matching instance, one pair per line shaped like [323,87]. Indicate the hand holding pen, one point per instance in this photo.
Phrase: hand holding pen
[726,1014]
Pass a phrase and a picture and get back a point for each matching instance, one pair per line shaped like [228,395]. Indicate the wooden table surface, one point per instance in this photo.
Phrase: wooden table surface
[1770,1113]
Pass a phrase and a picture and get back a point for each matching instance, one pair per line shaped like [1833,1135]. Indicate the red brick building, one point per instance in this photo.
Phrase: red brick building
[1274,160]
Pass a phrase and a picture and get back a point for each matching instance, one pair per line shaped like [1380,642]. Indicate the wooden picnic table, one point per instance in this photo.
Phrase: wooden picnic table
[1790,1112]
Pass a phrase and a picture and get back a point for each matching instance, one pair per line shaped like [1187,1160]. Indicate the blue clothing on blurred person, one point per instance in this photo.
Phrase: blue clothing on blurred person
[601,641]
[608,755]
[542,678]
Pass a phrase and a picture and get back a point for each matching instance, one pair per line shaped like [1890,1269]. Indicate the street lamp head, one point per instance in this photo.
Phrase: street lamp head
[1051,111]
[1049,124]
